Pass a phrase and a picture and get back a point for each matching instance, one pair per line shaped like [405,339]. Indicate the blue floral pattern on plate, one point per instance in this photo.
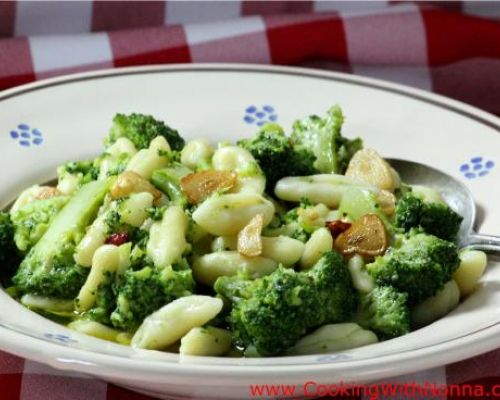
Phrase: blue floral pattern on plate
[477,167]
[26,136]
[260,115]
[59,338]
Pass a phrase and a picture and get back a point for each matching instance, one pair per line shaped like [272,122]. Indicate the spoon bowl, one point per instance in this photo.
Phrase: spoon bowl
[456,195]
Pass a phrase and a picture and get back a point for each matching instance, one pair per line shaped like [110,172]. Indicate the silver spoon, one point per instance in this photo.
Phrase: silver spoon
[456,194]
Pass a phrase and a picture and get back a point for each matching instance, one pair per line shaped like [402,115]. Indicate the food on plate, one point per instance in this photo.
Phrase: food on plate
[272,313]
[366,236]
[280,244]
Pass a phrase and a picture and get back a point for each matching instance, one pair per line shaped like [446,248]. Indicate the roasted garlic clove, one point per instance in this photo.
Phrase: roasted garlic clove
[200,185]
[250,239]
[130,182]
[368,166]
[366,236]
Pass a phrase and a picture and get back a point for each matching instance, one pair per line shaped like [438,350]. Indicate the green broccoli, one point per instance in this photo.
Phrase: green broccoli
[434,218]
[315,146]
[107,292]
[273,312]
[87,170]
[105,303]
[168,181]
[32,220]
[49,268]
[293,224]
[138,254]
[140,293]
[419,265]
[384,311]
[114,222]
[141,129]
[156,213]
[276,155]
[322,138]
[296,227]
[408,212]
[9,255]
[109,165]
[71,176]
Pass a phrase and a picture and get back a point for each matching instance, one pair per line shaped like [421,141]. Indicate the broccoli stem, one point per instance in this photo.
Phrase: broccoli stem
[49,269]
[168,180]
[73,219]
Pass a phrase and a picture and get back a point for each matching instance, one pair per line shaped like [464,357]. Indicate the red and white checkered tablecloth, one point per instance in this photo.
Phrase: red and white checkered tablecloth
[451,48]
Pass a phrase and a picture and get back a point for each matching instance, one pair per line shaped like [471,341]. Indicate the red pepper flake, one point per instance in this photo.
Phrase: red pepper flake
[337,227]
[117,238]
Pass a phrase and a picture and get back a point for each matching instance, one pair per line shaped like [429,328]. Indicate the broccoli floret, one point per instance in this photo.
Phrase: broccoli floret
[273,312]
[49,269]
[296,227]
[276,155]
[384,311]
[322,138]
[156,213]
[7,245]
[141,129]
[32,220]
[114,222]
[105,303]
[9,256]
[73,175]
[140,293]
[434,218]
[168,180]
[408,212]
[138,255]
[109,165]
[87,169]
[441,221]
[419,265]
[294,224]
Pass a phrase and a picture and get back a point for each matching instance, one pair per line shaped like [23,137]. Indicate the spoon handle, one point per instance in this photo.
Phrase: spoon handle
[487,243]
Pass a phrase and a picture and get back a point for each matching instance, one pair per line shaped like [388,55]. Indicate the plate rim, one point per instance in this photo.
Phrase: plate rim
[60,356]
[435,99]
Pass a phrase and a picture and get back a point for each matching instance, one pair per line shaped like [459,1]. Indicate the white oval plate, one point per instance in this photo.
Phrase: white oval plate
[45,124]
